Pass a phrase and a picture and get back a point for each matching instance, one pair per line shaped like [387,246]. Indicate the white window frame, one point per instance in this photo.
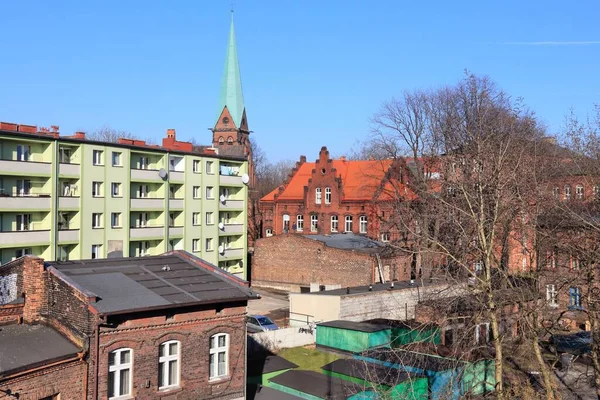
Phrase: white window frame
[268,232]
[117,192]
[97,189]
[97,157]
[210,192]
[363,224]
[286,223]
[115,220]
[348,223]
[209,244]
[209,168]
[556,192]
[96,220]
[314,222]
[23,152]
[335,223]
[196,245]
[196,218]
[23,222]
[318,196]
[196,192]
[196,166]
[23,187]
[117,368]
[300,222]
[385,237]
[23,252]
[164,363]
[96,250]
[116,159]
[209,218]
[144,162]
[567,192]
[551,295]
[327,195]
[214,351]
[579,192]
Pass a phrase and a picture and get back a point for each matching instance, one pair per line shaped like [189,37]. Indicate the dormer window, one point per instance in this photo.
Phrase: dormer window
[221,140]
[230,140]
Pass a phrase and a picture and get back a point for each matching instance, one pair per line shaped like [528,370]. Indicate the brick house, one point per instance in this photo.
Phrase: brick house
[298,263]
[151,327]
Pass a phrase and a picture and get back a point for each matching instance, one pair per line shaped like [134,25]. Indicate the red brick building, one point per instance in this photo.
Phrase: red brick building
[298,263]
[152,327]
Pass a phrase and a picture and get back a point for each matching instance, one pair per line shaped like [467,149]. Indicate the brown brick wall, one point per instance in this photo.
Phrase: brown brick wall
[64,379]
[292,260]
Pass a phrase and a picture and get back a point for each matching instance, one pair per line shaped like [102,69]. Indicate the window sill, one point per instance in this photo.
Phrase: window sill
[117,166]
[116,197]
[116,227]
[169,390]
[97,227]
[220,379]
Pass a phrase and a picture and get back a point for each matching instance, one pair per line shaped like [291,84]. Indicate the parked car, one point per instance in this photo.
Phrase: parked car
[576,343]
[260,323]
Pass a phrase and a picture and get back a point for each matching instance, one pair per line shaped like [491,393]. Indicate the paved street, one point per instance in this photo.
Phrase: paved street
[272,304]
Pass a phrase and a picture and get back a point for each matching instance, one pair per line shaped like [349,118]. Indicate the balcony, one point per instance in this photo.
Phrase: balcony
[175,231]
[177,176]
[147,204]
[175,204]
[68,169]
[68,203]
[68,235]
[232,229]
[231,253]
[147,232]
[24,238]
[26,203]
[230,180]
[232,205]
[145,175]
[29,168]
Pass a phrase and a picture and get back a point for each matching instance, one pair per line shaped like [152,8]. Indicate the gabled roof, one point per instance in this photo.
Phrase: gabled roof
[231,95]
[360,179]
[177,278]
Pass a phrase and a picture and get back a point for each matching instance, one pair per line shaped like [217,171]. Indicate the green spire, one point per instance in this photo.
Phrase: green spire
[231,87]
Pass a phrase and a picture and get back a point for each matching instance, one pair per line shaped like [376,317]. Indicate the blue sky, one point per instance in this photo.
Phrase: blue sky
[313,72]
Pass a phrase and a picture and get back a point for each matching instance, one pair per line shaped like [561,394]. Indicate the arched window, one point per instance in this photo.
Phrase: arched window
[348,224]
[120,363]
[169,356]
[230,140]
[314,222]
[286,223]
[219,355]
[579,192]
[363,224]
[221,140]
[334,223]
[567,192]
[300,222]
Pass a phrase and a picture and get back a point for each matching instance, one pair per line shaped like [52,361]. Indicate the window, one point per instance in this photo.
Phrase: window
[327,195]
[143,249]
[567,192]
[268,232]
[300,223]
[171,219]
[196,166]
[196,218]
[195,244]
[385,237]
[96,250]
[142,220]
[314,222]
[96,220]
[209,167]
[575,297]
[229,140]
[318,196]
[551,295]
[596,191]
[143,191]
[226,218]
[23,187]
[363,224]
[579,192]
[196,192]
[23,152]
[574,263]
[119,373]
[97,189]
[23,222]
[210,193]
[225,192]
[556,192]
[286,223]
[115,220]
[219,349]
[551,259]
[97,157]
[478,266]
[221,140]
[116,159]
[209,244]
[168,364]
[524,264]
[115,189]
[144,162]
[209,218]
[334,223]
[348,224]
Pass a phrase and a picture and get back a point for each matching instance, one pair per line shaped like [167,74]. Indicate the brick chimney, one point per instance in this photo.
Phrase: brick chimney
[34,289]
[171,133]
[79,135]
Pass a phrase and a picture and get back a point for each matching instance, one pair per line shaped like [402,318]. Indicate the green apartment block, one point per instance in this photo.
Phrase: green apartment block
[67,198]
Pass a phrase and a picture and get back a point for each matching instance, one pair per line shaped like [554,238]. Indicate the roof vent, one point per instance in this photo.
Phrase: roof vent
[166,268]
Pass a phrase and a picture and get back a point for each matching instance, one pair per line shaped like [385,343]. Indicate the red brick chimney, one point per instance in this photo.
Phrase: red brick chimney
[171,133]
[34,289]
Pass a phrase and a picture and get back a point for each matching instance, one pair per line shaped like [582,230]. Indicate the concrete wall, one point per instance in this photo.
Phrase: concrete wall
[283,338]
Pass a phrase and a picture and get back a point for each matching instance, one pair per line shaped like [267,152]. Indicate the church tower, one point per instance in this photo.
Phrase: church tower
[231,133]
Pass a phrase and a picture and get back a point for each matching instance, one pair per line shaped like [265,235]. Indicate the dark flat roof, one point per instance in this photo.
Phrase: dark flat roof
[349,241]
[354,326]
[268,364]
[423,361]
[257,392]
[316,384]
[374,373]
[376,287]
[129,284]
[29,346]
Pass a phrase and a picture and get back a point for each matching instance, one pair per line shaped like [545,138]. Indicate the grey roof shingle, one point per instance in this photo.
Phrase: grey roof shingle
[128,284]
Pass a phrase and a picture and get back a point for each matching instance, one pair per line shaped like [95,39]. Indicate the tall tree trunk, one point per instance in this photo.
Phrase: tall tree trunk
[499,362]
[547,378]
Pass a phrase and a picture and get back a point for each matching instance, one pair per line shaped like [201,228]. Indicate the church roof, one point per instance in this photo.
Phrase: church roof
[231,95]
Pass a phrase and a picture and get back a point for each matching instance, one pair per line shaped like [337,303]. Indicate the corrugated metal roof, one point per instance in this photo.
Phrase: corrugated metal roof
[137,283]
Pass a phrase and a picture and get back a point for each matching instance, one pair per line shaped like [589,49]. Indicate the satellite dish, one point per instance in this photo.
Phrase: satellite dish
[162,173]
[245,179]
[221,226]
[222,198]
[221,249]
